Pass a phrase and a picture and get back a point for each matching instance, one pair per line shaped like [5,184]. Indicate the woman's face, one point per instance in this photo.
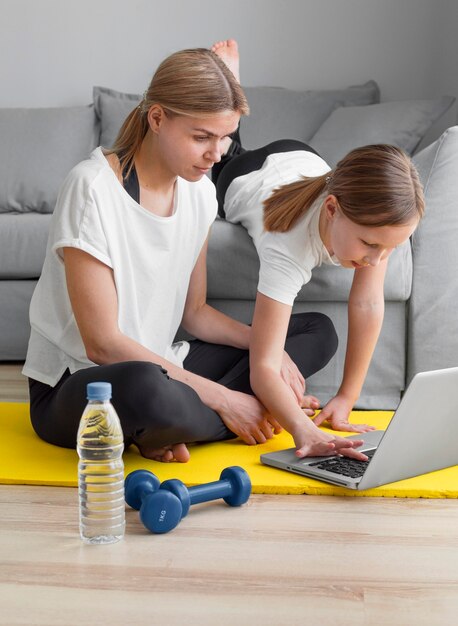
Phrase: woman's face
[189,146]
[358,246]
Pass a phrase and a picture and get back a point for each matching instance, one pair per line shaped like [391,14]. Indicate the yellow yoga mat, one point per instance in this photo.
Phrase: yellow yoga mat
[26,459]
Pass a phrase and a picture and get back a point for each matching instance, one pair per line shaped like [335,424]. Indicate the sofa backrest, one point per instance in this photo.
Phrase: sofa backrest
[276,113]
[38,148]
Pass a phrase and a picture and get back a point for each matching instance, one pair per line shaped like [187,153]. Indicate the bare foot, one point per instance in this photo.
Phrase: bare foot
[310,404]
[178,452]
[228,51]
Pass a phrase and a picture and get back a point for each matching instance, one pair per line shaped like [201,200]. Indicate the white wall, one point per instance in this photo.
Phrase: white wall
[446,74]
[53,51]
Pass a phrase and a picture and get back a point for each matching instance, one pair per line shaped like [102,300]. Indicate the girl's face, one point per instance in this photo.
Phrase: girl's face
[189,146]
[358,246]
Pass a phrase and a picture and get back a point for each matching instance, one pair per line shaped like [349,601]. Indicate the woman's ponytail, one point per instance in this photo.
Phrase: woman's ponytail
[130,137]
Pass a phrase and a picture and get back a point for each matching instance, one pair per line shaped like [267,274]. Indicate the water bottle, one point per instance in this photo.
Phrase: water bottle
[100,469]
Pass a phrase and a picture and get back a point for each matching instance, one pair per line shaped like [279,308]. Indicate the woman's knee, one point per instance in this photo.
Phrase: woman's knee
[143,391]
[312,333]
[328,334]
[155,407]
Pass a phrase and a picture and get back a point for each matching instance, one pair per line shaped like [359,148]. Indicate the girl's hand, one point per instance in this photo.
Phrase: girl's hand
[319,443]
[336,413]
[245,416]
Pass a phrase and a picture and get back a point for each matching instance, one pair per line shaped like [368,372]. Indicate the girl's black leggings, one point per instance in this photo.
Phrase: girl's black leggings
[238,162]
[156,410]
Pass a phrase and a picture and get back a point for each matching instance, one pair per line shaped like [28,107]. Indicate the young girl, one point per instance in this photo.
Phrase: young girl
[300,214]
[126,264]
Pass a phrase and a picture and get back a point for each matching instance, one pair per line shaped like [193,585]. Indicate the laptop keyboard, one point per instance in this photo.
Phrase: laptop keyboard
[344,466]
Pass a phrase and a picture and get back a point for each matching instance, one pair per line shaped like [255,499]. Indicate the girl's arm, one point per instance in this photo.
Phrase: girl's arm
[92,291]
[366,306]
[268,335]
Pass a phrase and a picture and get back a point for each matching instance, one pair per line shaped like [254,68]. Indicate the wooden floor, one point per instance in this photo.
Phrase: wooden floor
[278,560]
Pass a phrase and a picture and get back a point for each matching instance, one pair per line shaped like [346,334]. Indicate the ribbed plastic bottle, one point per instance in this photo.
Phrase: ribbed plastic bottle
[100,469]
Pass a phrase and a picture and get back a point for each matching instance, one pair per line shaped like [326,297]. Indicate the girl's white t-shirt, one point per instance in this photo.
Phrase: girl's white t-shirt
[152,259]
[286,259]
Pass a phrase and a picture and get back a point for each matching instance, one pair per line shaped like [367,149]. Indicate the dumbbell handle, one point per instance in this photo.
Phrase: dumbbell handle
[210,491]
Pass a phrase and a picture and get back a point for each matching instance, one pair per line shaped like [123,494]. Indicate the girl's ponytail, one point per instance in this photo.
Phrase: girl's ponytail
[288,203]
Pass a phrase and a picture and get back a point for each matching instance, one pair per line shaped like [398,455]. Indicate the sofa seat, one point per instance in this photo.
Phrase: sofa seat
[23,238]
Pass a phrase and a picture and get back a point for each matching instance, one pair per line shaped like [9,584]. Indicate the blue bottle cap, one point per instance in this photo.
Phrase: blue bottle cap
[98,391]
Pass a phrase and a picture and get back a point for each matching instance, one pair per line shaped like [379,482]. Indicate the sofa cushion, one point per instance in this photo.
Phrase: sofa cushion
[233,268]
[23,238]
[402,124]
[15,297]
[276,113]
[37,150]
[112,107]
[433,327]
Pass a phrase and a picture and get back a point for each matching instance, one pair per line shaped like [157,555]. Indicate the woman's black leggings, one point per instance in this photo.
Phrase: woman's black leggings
[156,410]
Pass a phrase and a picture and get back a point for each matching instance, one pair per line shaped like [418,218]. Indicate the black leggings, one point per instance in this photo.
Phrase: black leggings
[156,410]
[238,162]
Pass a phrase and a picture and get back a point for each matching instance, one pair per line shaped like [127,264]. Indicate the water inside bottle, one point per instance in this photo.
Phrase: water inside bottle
[101,477]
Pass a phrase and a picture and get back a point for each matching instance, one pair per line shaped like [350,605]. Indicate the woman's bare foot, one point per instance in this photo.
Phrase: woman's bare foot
[228,51]
[178,452]
[310,404]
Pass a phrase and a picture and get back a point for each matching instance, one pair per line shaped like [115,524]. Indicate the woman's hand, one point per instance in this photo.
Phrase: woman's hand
[318,443]
[336,413]
[245,416]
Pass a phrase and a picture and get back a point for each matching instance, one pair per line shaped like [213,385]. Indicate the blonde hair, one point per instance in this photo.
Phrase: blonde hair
[375,185]
[194,82]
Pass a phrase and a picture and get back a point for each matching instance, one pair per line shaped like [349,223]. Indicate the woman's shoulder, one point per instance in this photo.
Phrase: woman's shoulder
[83,175]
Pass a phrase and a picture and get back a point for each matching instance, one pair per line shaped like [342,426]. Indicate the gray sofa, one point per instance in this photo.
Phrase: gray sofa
[39,146]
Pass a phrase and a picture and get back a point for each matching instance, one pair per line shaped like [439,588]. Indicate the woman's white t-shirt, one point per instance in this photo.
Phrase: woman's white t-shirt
[152,259]
[286,259]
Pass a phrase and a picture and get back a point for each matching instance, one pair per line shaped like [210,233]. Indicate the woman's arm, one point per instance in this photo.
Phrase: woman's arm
[203,321]
[206,323]
[366,308]
[268,335]
[94,301]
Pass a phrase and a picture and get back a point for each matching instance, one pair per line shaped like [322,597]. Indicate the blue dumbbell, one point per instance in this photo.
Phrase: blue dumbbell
[162,510]
[139,486]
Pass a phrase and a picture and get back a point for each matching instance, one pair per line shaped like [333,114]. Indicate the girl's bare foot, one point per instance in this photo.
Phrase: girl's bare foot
[178,452]
[228,51]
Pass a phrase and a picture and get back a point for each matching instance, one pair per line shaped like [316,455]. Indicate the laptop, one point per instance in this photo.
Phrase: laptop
[421,437]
